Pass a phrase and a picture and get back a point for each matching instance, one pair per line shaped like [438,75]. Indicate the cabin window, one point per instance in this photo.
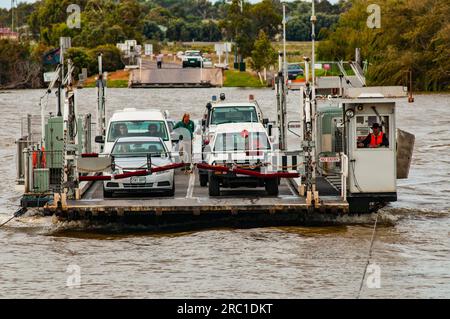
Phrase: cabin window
[365,129]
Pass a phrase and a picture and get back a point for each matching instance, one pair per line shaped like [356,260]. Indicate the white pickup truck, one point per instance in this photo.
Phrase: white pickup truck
[243,146]
[221,113]
[192,59]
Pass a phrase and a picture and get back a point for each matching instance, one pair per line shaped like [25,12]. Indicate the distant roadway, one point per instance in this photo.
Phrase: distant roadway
[172,74]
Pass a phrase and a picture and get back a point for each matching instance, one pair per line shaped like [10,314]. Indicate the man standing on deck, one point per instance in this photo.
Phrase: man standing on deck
[159,61]
[186,143]
[376,139]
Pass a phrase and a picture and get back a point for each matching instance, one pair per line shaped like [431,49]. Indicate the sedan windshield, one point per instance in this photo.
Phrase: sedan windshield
[234,114]
[155,148]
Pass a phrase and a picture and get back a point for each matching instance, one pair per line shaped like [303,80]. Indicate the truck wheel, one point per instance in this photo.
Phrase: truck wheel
[214,186]
[203,180]
[272,187]
[107,194]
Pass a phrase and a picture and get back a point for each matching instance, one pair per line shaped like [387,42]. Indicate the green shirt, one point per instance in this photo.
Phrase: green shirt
[190,127]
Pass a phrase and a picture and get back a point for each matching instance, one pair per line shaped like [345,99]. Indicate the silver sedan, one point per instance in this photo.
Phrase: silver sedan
[132,154]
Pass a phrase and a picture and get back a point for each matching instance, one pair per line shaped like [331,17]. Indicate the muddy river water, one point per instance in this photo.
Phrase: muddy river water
[411,248]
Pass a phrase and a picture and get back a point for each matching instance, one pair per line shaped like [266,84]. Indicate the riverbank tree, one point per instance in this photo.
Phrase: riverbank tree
[263,54]
[20,65]
[414,35]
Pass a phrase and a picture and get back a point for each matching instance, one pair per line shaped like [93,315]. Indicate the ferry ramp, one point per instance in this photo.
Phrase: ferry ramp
[172,75]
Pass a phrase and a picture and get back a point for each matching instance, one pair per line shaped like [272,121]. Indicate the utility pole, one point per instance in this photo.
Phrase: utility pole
[71,149]
[410,97]
[64,44]
[284,43]
[101,101]
[201,71]
[280,87]
[13,13]
[309,125]
[313,38]
[238,56]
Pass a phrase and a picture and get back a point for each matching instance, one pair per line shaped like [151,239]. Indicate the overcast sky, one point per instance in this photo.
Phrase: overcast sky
[7,3]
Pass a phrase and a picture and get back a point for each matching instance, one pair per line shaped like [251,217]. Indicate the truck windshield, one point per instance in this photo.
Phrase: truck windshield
[233,114]
[241,141]
[137,129]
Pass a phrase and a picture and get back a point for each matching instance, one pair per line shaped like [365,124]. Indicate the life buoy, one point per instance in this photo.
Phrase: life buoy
[42,160]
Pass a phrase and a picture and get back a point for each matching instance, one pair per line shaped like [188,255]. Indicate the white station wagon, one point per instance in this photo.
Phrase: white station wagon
[136,123]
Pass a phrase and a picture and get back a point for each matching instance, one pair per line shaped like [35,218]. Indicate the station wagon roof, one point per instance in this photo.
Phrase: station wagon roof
[136,115]
[139,139]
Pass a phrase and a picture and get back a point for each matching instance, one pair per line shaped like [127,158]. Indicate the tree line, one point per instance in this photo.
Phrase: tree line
[107,22]
[413,35]
[112,21]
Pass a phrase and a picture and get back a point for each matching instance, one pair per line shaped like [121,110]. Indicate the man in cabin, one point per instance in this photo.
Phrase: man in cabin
[376,139]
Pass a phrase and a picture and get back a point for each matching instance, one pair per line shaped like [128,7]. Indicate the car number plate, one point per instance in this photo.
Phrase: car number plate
[330,159]
[137,180]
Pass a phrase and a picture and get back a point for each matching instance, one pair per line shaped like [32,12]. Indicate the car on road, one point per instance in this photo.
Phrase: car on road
[207,63]
[132,154]
[192,58]
[241,145]
[223,66]
[294,70]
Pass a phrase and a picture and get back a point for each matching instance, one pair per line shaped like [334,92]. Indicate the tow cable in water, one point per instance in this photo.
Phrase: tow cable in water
[369,256]
[17,214]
